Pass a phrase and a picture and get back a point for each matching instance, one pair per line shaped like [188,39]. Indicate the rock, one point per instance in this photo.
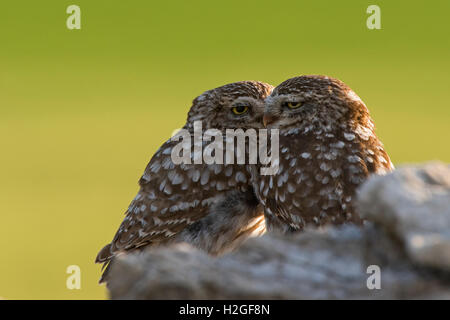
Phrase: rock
[413,205]
[406,240]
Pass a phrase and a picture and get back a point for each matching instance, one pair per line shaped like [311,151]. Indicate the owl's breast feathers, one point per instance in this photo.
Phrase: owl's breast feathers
[318,176]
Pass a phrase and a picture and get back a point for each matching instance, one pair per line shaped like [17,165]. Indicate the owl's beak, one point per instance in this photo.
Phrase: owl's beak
[268,119]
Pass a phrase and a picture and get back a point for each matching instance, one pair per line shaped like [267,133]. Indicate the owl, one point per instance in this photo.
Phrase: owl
[211,206]
[327,148]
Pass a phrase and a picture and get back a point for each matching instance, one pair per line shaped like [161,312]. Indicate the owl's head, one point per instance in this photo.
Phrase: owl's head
[318,101]
[232,106]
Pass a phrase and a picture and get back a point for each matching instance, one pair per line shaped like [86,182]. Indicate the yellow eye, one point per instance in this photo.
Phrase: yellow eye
[293,104]
[240,109]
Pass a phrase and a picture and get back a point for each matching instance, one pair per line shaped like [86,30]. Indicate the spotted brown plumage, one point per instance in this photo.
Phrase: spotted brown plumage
[328,147]
[211,206]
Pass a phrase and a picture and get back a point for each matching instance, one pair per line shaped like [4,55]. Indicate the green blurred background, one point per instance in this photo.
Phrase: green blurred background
[82,111]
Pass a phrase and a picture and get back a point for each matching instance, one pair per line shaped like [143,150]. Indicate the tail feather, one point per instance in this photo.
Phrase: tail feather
[105,256]
[105,268]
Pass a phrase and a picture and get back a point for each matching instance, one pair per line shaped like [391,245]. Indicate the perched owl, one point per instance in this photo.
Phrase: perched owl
[211,206]
[327,148]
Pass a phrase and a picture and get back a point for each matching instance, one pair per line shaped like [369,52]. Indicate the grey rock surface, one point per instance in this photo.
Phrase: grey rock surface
[406,239]
[413,204]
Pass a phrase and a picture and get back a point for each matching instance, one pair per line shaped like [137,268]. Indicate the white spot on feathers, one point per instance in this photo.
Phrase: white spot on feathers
[306,155]
[349,136]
